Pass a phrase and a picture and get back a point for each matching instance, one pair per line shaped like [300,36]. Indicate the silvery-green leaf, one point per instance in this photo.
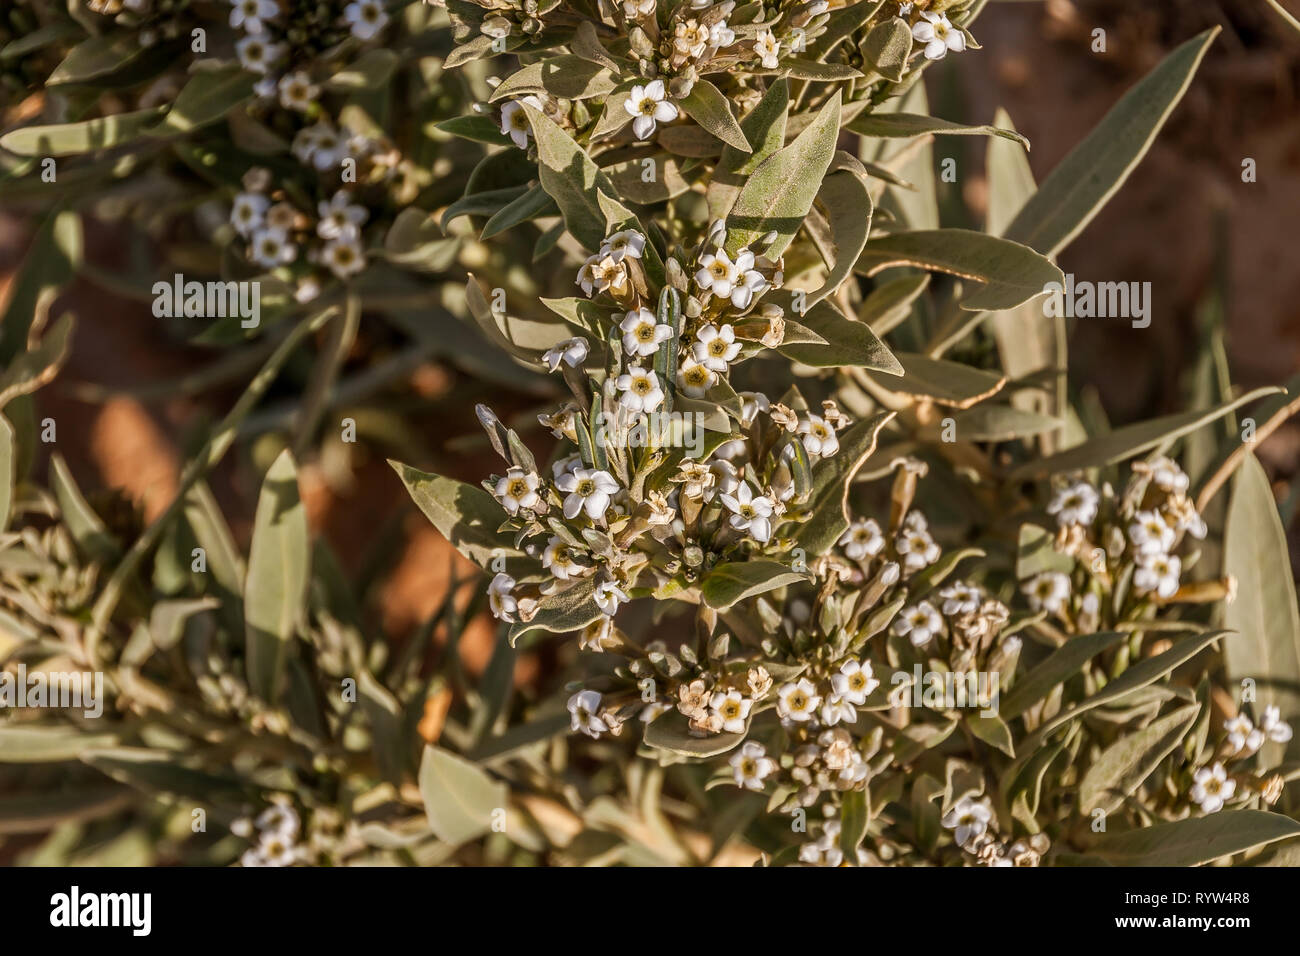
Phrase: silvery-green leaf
[991,422]
[906,125]
[832,480]
[481,129]
[206,97]
[1036,554]
[24,745]
[947,383]
[887,47]
[889,304]
[1195,841]
[42,812]
[854,817]
[671,732]
[1122,766]
[388,739]
[369,71]
[83,524]
[1062,664]
[847,203]
[764,130]
[709,108]
[459,798]
[531,205]
[993,730]
[847,342]
[629,179]
[565,76]
[75,139]
[466,515]
[734,581]
[166,772]
[37,366]
[570,610]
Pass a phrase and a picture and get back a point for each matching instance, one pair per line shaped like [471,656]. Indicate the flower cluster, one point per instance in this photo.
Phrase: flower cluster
[1226,779]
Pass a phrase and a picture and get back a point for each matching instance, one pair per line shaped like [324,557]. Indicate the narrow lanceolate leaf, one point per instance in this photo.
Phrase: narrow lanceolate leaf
[40,363]
[459,798]
[780,192]
[207,97]
[944,382]
[708,107]
[566,76]
[54,256]
[48,744]
[1266,647]
[847,203]
[736,580]
[572,180]
[8,471]
[570,610]
[1124,443]
[764,129]
[1062,664]
[1010,273]
[845,341]
[86,527]
[671,732]
[74,139]
[466,515]
[1122,767]
[1195,841]
[907,125]
[276,590]
[832,480]
[1095,169]
[854,818]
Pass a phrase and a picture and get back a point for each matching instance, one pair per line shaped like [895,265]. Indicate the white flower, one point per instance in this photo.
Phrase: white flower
[725,479]
[732,708]
[1047,591]
[256,54]
[915,546]
[938,35]
[609,596]
[797,700]
[960,598]
[573,352]
[639,390]
[248,212]
[1243,736]
[366,17]
[584,708]
[273,849]
[501,600]
[862,540]
[518,489]
[321,145]
[751,404]
[721,35]
[588,490]
[1150,533]
[603,273]
[1274,727]
[969,817]
[715,347]
[1211,788]
[637,9]
[768,49]
[1075,505]
[339,216]
[343,256]
[717,274]
[690,38]
[279,818]
[695,378]
[1168,477]
[559,558]
[271,247]
[627,242]
[752,765]
[1158,573]
[249,14]
[818,437]
[918,623]
[514,121]
[641,333]
[752,514]
[649,106]
[854,681]
[297,91]
[838,707]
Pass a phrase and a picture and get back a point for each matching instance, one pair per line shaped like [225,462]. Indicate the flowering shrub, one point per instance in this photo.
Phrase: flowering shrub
[829,568]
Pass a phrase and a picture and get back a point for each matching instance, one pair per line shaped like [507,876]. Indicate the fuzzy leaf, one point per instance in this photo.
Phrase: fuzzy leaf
[458,797]
[1122,766]
[466,515]
[671,732]
[734,581]
[1195,841]
[709,108]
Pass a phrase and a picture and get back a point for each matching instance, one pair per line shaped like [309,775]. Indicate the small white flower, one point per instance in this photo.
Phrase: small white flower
[1150,533]
[276,849]
[609,596]
[514,121]
[732,708]
[1047,591]
[588,490]
[915,546]
[249,14]
[271,247]
[597,635]
[768,49]
[715,347]
[343,256]
[818,437]
[256,54]
[726,479]
[248,212]
[321,145]
[751,404]
[584,709]
[339,216]
[690,38]
[695,378]
[750,513]
[649,106]
[518,489]
[717,274]
[752,765]
[573,352]
[960,598]
[639,390]
[561,560]
[279,818]
[1157,573]
[838,707]
[938,35]
[1243,736]
[1273,726]
[797,701]
[1168,477]
[1075,505]
[919,623]
[721,35]
[501,599]
[627,242]
[969,817]
[638,9]
[1211,788]
[297,91]
[854,681]
[863,539]
[642,334]
[366,18]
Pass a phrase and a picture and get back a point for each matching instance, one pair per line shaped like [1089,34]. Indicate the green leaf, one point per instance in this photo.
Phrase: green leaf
[734,581]
[38,365]
[948,383]
[764,130]
[532,204]
[832,481]
[1266,647]
[207,97]
[991,422]
[1195,841]
[43,812]
[466,515]
[671,732]
[781,190]
[480,129]
[1124,443]
[24,745]
[1010,273]
[164,772]
[887,47]
[414,241]
[86,527]
[993,730]
[1095,169]
[565,76]
[368,72]
[570,610]
[1062,664]
[906,125]
[854,818]
[8,471]
[847,203]
[458,797]
[847,342]
[74,139]
[387,729]
[96,57]
[1036,553]
[278,569]
[709,108]
[1122,766]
